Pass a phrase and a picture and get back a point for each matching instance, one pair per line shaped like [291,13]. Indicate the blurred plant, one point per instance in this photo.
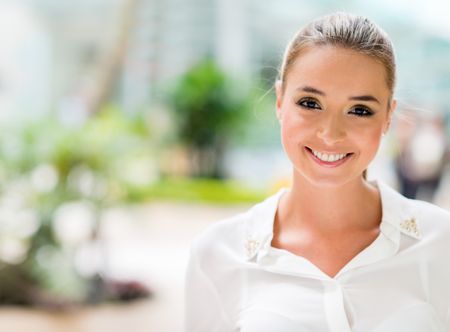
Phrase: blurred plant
[208,107]
[55,181]
[199,190]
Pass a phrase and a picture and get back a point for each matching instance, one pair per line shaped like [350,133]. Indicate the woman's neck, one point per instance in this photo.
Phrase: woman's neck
[354,206]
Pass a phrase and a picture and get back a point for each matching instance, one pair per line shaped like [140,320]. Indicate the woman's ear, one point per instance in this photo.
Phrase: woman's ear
[392,107]
[279,95]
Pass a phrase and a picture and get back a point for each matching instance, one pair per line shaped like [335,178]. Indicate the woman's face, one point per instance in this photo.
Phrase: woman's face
[333,112]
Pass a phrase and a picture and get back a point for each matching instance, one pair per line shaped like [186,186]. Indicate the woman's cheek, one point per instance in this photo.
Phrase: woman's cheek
[369,140]
[293,138]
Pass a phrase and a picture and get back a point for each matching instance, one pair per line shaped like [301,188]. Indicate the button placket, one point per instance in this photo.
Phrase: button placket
[334,307]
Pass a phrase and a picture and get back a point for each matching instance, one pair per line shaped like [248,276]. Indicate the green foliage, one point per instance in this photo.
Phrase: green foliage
[207,104]
[198,190]
[45,165]
[209,109]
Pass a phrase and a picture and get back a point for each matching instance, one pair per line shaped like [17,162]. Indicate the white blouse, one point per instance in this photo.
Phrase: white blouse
[236,281]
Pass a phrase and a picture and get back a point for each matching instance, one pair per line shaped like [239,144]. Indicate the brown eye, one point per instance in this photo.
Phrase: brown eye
[361,111]
[308,103]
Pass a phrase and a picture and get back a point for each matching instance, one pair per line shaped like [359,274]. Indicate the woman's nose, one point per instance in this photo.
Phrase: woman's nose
[331,130]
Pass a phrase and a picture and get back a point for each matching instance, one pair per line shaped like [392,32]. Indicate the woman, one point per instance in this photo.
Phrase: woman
[335,252]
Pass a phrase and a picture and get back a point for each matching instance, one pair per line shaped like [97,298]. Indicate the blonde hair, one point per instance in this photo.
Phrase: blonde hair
[343,30]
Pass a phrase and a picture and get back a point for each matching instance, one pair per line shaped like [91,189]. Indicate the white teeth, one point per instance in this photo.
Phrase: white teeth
[328,157]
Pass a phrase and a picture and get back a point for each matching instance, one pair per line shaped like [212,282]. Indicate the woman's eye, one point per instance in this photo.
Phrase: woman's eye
[361,111]
[308,103]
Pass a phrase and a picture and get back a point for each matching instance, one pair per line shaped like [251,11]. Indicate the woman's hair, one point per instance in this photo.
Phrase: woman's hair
[343,30]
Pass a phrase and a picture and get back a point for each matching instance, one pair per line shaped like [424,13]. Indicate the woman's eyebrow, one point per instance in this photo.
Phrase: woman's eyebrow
[310,89]
[365,98]
[307,88]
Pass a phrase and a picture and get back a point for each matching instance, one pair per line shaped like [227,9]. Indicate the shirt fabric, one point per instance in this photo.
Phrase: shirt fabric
[236,281]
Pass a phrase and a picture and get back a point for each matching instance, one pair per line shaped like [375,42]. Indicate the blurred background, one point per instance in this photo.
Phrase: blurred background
[128,126]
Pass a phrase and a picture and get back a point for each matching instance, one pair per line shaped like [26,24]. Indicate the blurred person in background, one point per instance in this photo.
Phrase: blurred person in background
[422,154]
[336,252]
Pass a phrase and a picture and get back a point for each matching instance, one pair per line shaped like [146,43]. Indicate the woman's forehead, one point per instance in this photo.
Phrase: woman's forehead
[337,68]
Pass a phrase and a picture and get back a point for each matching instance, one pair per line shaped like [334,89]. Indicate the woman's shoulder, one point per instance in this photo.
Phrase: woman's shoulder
[427,217]
[431,209]
[431,214]
[229,234]
[222,231]
[218,247]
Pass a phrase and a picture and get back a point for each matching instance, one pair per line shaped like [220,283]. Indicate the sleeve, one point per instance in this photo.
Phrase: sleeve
[203,307]
[447,320]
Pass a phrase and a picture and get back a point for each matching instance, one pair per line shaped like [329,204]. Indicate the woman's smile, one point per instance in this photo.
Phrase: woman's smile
[328,159]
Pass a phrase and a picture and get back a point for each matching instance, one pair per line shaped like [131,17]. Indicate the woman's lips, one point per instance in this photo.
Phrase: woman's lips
[328,163]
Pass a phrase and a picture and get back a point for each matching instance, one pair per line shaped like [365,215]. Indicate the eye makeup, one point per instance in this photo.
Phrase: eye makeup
[312,104]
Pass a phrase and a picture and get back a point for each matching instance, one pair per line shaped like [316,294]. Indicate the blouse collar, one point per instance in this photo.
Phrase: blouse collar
[398,217]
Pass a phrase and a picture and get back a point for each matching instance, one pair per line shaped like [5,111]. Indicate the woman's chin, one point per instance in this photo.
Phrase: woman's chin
[328,180]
